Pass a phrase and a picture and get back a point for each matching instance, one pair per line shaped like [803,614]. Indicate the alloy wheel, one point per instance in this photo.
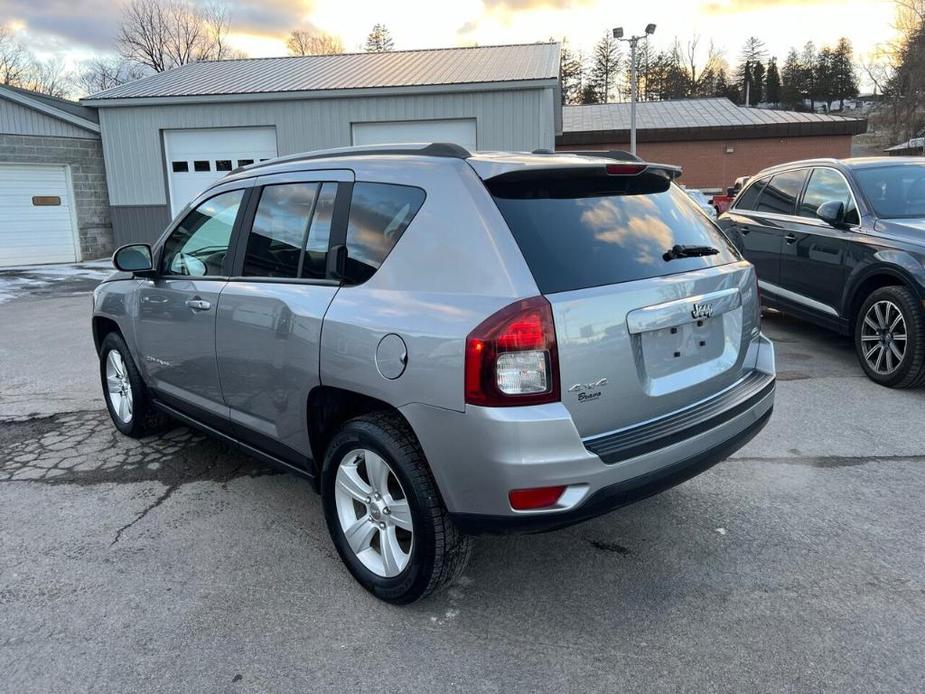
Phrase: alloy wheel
[883,337]
[373,512]
[118,386]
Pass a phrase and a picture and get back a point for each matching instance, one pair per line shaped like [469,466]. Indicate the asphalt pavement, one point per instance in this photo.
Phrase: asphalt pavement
[178,564]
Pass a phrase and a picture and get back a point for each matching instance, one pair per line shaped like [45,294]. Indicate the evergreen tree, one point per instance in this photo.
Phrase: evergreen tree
[845,77]
[757,91]
[772,86]
[570,74]
[753,52]
[807,81]
[589,94]
[721,84]
[605,67]
[824,77]
[746,82]
[791,95]
[379,40]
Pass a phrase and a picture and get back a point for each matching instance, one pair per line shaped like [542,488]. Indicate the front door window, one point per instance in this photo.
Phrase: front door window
[199,244]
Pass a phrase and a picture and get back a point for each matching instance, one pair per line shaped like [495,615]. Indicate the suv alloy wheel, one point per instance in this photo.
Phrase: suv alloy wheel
[889,338]
[384,513]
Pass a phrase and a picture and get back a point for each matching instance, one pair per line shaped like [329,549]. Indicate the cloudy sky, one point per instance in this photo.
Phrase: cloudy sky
[76,29]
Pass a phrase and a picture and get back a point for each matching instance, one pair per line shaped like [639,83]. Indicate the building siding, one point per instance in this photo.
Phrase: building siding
[138,223]
[88,176]
[708,165]
[16,119]
[132,141]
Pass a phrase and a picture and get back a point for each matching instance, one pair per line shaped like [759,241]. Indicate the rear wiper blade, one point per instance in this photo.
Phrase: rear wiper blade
[689,252]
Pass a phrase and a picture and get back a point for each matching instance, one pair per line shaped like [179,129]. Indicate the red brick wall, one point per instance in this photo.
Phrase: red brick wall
[707,164]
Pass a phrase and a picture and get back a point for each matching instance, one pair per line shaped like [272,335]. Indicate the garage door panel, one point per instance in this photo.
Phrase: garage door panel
[35,234]
[460,131]
[184,148]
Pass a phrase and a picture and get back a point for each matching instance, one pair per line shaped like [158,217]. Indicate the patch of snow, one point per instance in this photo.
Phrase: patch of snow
[19,280]
[721,531]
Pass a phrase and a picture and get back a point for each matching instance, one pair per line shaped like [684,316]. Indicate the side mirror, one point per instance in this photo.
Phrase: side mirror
[135,258]
[832,213]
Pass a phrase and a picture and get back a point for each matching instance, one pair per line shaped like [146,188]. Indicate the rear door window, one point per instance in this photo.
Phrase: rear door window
[781,193]
[278,234]
[379,215]
[748,200]
[574,239]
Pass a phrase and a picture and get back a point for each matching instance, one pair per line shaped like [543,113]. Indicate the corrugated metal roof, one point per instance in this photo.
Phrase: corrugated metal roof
[538,61]
[684,113]
[71,107]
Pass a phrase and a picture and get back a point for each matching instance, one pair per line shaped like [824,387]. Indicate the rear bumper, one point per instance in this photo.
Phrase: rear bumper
[613,496]
[479,455]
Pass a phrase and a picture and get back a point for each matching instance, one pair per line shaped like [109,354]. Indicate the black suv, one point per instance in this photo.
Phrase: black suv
[842,243]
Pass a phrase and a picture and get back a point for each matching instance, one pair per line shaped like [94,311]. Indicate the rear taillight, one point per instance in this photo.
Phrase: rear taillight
[511,358]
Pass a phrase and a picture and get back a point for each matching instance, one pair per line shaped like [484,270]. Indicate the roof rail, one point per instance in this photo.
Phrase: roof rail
[424,149]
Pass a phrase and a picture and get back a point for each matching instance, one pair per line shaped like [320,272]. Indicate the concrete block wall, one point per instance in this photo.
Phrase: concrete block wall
[88,177]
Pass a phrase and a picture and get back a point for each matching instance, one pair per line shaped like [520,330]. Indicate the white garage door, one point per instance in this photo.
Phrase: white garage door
[36,215]
[197,158]
[460,131]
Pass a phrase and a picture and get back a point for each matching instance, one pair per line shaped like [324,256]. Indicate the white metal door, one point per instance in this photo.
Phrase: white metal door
[460,131]
[37,221]
[196,158]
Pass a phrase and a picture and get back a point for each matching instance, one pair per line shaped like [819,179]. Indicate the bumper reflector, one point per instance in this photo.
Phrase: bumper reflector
[538,497]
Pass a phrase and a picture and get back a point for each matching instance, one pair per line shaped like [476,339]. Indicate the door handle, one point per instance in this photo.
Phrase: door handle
[790,238]
[198,304]
[744,230]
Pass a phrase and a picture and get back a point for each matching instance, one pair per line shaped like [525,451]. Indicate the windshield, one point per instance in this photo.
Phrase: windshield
[592,238]
[894,191]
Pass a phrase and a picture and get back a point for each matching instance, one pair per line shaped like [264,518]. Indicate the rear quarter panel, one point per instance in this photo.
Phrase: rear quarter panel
[455,264]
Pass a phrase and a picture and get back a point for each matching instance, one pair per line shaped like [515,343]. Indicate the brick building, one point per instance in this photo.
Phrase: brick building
[54,206]
[714,140]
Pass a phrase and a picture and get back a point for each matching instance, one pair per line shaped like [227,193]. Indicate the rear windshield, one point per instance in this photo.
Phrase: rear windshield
[574,239]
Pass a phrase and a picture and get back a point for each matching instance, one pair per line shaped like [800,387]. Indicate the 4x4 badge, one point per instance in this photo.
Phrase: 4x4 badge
[702,310]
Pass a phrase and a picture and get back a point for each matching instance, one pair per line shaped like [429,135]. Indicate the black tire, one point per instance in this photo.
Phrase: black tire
[439,552]
[145,419]
[911,369]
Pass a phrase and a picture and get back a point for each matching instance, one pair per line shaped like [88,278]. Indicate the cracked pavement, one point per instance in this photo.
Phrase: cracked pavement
[178,564]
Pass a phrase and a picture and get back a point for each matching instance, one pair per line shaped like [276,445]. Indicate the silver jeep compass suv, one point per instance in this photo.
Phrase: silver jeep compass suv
[446,343]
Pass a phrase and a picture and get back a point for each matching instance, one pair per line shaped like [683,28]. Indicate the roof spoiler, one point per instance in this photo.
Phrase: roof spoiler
[674,172]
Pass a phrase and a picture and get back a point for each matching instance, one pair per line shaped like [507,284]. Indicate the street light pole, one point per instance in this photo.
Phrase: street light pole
[632,41]
[633,97]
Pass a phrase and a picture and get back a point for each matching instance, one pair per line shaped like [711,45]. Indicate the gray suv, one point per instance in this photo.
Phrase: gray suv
[445,343]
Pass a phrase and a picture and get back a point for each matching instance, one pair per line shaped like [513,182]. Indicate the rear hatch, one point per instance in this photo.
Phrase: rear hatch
[654,309]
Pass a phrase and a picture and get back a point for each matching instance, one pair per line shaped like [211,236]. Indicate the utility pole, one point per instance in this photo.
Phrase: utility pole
[748,85]
[632,41]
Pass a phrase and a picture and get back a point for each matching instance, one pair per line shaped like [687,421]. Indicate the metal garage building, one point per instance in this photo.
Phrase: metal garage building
[168,136]
[53,204]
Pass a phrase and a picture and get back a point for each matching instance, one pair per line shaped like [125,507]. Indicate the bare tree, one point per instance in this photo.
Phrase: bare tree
[100,74]
[301,42]
[15,60]
[49,77]
[164,34]
[701,68]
